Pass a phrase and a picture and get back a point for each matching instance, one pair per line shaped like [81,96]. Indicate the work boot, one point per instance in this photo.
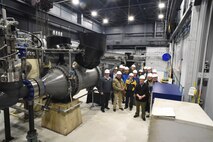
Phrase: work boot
[130,108]
[125,107]
[114,110]
[121,109]
[102,110]
[107,108]
[136,115]
[147,115]
[144,119]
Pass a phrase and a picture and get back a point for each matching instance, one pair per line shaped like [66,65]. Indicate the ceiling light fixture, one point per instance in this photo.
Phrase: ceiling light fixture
[94,13]
[105,21]
[75,2]
[161,5]
[131,18]
[160,16]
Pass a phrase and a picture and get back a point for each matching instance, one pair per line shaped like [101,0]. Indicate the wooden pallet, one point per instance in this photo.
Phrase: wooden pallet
[62,122]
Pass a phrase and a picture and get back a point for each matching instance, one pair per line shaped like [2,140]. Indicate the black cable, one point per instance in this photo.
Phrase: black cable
[39,64]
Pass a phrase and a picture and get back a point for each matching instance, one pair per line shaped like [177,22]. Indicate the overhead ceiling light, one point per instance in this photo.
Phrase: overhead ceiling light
[94,13]
[160,16]
[131,18]
[75,2]
[105,21]
[161,5]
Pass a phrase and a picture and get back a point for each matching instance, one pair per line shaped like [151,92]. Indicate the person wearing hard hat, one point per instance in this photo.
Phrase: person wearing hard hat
[130,88]
[155,78]
[149,69]
[121,68]
[145,71]
[125,75]
[140,72]
[141,92]
[119,90]
[135,76]
[133,67]
[149,83]
[154,71]
[113,73]
[105,89]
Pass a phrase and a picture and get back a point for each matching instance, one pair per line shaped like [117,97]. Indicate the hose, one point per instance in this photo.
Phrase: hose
[33,36]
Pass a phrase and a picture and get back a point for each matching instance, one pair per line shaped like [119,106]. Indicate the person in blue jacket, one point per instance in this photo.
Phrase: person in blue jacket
[125,75]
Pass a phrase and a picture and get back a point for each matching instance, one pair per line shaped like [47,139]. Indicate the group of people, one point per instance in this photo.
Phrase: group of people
[130,86]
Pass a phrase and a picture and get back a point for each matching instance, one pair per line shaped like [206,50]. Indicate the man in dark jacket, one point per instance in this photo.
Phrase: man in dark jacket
[149,83]
[130,89]
[113,75]
[135,77]
[141,92]
[105,89]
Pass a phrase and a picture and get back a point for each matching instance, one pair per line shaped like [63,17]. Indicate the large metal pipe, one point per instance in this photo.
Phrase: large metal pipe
[87,78]
[60,87]
[10,92]
[56,83]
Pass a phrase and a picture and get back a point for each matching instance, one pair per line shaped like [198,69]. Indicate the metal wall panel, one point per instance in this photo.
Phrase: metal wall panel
[144,34]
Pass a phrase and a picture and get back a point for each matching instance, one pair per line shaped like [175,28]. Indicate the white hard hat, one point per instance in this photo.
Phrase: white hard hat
[121,66]
[145,67]
[131,74]
[116,68]
[106,71]
[133,66]
[126,68]
[142,77]
[119,73]
[135,71]
[149,68]
[149,75]
[154,75]
[154,71]
[140,70]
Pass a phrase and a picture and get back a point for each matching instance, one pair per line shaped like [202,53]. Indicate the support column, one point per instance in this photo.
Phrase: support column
[8,136]
[31,134]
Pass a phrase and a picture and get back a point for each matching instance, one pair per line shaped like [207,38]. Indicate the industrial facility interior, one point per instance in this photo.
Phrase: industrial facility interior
[151,57]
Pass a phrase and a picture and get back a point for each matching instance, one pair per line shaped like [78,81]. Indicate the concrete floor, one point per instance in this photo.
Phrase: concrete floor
[119,126]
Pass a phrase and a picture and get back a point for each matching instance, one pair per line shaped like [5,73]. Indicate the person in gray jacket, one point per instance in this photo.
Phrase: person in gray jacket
[105,90]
